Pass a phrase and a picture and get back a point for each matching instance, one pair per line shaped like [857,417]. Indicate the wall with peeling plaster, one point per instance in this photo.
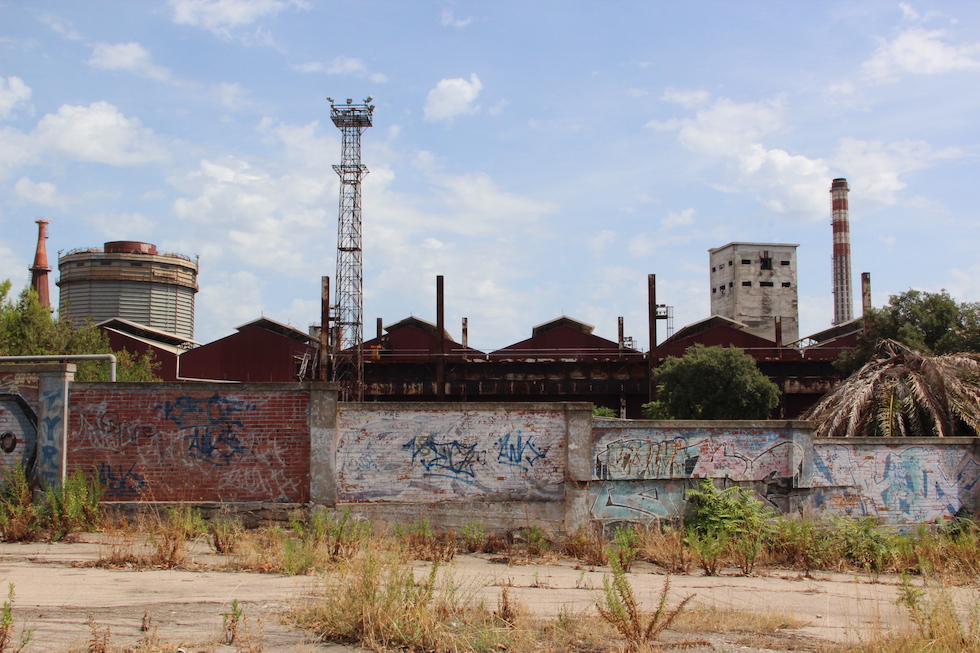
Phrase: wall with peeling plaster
[506,465]
[643,469]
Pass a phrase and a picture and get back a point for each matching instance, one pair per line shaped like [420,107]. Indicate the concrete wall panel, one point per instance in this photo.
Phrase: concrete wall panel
[738,451]
[899,480]
[429,453]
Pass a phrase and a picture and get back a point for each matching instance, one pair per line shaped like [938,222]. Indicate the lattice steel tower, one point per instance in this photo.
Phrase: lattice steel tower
[348,370]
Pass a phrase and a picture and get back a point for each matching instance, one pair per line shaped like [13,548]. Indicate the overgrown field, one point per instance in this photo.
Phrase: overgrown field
[371,594]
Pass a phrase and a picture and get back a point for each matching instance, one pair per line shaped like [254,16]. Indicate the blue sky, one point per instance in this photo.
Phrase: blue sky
[543,156]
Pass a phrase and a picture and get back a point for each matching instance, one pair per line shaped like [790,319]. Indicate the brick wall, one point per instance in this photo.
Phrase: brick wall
[193,442]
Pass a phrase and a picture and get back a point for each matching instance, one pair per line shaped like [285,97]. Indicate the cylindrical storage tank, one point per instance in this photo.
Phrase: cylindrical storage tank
[129,280]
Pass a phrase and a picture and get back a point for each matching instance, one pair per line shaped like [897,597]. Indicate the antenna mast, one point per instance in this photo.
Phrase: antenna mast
[348,370]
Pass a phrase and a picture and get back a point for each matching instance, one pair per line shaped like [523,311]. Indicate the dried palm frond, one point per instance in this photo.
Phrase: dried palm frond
[903,392]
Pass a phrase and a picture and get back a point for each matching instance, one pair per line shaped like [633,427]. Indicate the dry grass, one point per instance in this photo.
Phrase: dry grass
[934,622]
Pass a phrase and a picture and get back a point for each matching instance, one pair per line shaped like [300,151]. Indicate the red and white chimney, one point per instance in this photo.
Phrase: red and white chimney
[843,302]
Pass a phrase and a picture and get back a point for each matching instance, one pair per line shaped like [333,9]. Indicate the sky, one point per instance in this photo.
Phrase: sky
[544,156]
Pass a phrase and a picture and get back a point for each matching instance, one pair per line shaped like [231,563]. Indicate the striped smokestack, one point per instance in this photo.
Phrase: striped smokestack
[843,304]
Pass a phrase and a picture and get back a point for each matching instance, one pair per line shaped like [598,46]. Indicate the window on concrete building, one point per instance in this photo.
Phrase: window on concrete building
[729,284]
[714,290]
[729,264]
[766,261]
[746,261]
[712,269]
[766,284]
[784,262]
[747,284]
[786,284]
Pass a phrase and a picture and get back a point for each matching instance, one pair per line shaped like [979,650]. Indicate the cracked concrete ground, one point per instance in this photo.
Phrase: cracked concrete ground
[55,594]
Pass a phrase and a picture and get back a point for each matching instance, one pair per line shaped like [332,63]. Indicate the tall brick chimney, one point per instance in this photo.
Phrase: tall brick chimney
[843,301]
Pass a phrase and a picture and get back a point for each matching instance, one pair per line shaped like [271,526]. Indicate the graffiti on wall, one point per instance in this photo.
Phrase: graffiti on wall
[452,458]
[18,434]
[637,501]
[432,455]
[50,432]
[518,451]
[119,479]
[645,453]
[901,484]
[202,446]
[210,426]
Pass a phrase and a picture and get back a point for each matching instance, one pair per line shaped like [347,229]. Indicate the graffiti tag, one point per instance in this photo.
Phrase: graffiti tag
[519,452]
[117,480]
[443,458]
[209,427]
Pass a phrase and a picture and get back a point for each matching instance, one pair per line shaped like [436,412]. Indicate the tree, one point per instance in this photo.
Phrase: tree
[931,323]
[712,383]
[27,328]
[903,392]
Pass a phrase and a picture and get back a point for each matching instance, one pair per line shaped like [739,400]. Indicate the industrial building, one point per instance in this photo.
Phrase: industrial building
[755,284]
[144,301]
[129,280]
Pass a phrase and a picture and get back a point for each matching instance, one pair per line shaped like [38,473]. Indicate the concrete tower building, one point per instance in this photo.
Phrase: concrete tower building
[132,281]
[755,283]
[843,301]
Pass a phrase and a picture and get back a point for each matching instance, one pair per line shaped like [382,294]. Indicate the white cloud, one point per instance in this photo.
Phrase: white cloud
[452,97]
[98,133]
[602,240]
[920,52]
[230,299]
[122,225]
[342,66]
[687,99]
[60,27]
[681,219]
[13,93]
[873,167]
[267,219]
[225,17]
[131,57]
[13,267]
[448,20]
[43,193]
[732,132]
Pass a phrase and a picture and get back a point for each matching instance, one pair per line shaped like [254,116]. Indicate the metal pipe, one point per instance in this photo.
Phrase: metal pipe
[67,357]
[441,327]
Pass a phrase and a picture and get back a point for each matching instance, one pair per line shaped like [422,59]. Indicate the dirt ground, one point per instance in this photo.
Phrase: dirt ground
[55,594]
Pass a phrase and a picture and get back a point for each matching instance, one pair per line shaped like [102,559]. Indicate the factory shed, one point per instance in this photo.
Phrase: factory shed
[562,361]
[830,343]
[262,351]
[802,379]
[139,339]
[413,338]
[719,331]
[565,338]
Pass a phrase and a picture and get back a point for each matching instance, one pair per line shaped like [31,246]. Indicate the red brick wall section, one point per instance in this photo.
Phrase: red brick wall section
[200,442]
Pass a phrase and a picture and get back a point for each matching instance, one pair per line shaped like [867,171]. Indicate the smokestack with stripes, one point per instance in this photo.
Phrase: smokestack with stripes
[843,303]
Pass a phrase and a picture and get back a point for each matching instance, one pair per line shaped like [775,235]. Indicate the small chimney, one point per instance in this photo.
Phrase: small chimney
[865,293]
[843,300]
[40,269]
